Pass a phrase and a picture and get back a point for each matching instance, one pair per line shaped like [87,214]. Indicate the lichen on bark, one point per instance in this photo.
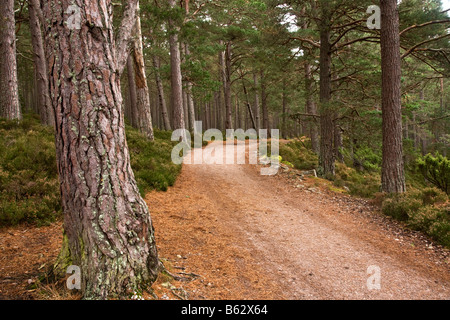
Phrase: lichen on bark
[108,229]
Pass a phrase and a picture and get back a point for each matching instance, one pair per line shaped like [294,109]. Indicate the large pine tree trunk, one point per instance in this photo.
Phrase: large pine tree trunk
[44,102]
[108,229]
[145,123]
[392,172]
[9,90]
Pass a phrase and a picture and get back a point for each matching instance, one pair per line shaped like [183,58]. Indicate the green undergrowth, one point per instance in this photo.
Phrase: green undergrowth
[151,161]
[297,154]
[426,210]
[29,186]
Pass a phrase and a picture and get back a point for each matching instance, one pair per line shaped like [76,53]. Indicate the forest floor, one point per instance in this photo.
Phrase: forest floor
[230,233]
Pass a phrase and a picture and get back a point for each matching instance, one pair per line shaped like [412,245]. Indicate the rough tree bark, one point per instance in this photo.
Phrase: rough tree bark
[107,225]
[44,102]
[143,108]
[9,90]
[392,172]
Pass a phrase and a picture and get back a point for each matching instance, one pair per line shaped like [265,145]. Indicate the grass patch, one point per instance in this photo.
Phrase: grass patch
[29,186]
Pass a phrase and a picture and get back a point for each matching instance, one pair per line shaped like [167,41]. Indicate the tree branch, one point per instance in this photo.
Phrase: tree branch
[311,42]
[423,25]
[369,39]
[412,49]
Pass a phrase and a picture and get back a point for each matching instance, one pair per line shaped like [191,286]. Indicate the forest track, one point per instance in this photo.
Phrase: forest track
[250,236]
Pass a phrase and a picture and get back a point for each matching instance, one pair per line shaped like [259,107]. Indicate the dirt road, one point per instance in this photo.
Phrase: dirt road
[250,236]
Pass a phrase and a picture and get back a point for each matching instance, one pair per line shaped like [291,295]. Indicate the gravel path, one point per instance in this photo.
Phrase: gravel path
[295,243]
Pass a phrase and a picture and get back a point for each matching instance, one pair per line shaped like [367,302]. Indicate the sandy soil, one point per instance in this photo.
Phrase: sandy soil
[258,237]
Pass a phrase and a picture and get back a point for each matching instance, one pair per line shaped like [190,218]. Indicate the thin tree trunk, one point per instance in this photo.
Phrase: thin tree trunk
[185,107]
[190,98]
[225,64]
[9,90]
[264,106]
[239,114]
[191,108]
[311,109]
[176,77]
[249,107]
[206,117]
[284,111]
[42,85]
[392,172]
[162,98]
[338,143]
[257,106]
[107,224]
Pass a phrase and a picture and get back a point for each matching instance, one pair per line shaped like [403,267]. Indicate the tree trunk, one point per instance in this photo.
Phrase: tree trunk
[108,229]
[162,98]
[392,173]
[132,91]
[145,124]
[338,143]
[185,106]
[264,106]
[311,109]
[284,111]
[9,90]
[44,102]
[176,77]
[257,106]
[190,98]
[225,66]
[249,107]
[327,154]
